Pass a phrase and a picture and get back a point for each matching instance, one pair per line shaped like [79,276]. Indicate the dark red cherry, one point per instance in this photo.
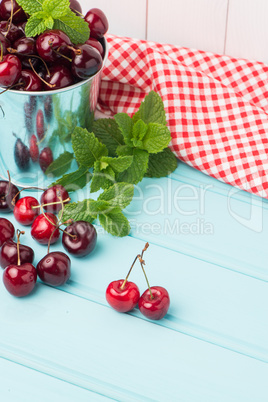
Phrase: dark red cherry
[96,44]
[9,254]
[51,195]
[54,268]
[7,193]
[5,43]
[20,280]
[34,150]
[25,46]
[30,81]
[75,6]
[87,62]
[97,22]
[21,155]
[122,300]
[82,240]
[45,158]
[154,308]
[59,77]
[24,212]
[5,11]
[7,230]
[42,228]
[40,124]
[14,32]
[51,44]
[10,69]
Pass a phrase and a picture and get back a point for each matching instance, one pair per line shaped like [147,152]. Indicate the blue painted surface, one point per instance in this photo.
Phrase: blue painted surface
[208,247]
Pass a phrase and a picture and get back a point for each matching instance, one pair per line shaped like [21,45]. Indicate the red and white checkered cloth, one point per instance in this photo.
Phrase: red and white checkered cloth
[216,106]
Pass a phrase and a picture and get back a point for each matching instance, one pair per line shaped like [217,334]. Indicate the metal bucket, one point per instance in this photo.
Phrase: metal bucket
[21,115]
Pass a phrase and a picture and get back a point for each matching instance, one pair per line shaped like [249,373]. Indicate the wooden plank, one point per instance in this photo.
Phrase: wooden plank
[196,24]
[126,18]
[247,29]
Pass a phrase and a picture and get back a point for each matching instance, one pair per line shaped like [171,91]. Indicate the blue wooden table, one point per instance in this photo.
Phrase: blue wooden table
[208,247]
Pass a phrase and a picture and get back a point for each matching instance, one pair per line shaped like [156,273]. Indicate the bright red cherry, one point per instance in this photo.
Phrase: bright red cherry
[96,44]
[54,268]
[24,212]
[7,193]
[86,62]
[34,150]
[9,254]
[20,280]
[51,44]
[51,196]
[79,238]
[10,69]
[97,22]
[45,158]
[30,81]
[59,77]
[7,230]
[44,228]
[5,11]
[154,308]
[122,300]
[40,125]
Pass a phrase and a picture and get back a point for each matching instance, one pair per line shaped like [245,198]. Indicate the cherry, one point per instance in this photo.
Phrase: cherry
[10,69]
[54,268]
[5,43]
[96,44]
[52,196]
[20,280]
[30,81]
[7,193]
[52,44]
[45,158]
[40,125]
[79,238]
[97,22]
[59,77]
[122,299]
[34,150]
[5,11]
[75,6]
[21,154]
[9,254]
[7,230]
[154,308]
[24,212]
[86,62]
[24,46]
[11,31]
[44,228]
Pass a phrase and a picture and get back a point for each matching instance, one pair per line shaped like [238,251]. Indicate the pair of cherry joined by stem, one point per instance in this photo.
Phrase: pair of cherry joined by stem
[124,295]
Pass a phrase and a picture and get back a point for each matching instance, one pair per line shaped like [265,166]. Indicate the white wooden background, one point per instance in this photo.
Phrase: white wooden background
[235,27]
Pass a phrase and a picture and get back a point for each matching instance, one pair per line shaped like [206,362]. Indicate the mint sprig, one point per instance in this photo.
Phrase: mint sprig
[51,14]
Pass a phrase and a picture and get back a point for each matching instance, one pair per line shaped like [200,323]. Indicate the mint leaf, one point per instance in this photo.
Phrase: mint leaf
[108,132]
[75,180]
[152,110]
[118,164]
[31,6]
[161,164]
[115,223]
[139,129]
[49,22]
[138,167]
[156,138]
[60,165]
[87,147]
[125,125]
[103,177]
[56,9]
[80,210]
[75,27]
[34,26]
[119,195]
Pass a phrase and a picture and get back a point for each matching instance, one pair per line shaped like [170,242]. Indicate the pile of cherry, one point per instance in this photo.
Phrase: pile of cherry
[49,61]
[79,239]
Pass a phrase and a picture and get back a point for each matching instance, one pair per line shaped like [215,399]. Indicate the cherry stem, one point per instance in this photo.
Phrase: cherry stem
[36,73]
[49,242]
[76,51]
[57,51]
[14,51]
[25,188]
[130,269]
[16,12]
[2,52]
[10,18]
[19,84]
[142,262]
[19,232]
[51,203]
[78,12]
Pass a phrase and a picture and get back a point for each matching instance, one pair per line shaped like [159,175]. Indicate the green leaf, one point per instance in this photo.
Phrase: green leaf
[108,132]
[139,129]
[80,210]
[87,147]
[118,164]
[31,6]
[152,109]
[125,125]
[60,165]
[34,26]
[156,138]
[119,195]
[115,223]
[75,27]
[102,177]
[138,167]
[161,164]
[49,22]
[75,180]
[56,9]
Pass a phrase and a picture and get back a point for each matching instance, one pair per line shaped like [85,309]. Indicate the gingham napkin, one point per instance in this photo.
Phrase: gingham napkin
[216,106]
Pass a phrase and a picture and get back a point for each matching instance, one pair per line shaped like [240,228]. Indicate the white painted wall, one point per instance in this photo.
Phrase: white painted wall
[235,27]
